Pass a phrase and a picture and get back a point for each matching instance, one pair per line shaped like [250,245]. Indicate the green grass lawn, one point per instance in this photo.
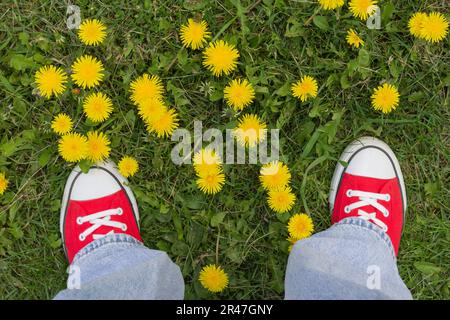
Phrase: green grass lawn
[278,41]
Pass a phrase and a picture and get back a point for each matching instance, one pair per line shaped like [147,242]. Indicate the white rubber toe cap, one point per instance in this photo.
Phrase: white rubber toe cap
[373,163]
[96,184]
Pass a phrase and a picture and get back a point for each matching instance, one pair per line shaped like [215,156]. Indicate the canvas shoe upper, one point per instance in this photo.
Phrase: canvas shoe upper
[370,187]
[96,204]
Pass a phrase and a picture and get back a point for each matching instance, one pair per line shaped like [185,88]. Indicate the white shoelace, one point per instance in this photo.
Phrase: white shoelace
[98,219]
[369,199]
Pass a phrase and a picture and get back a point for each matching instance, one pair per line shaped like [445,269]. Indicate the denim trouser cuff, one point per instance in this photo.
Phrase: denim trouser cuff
[358,222]
[113,238]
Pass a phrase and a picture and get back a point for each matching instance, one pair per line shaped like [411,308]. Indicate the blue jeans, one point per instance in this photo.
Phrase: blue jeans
[351,260]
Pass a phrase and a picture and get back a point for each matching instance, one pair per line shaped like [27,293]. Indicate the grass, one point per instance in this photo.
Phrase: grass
[279,41]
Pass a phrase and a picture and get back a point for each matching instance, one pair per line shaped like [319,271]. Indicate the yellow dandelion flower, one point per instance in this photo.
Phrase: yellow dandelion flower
[220,58]
[300,226]
[239,94]
[331,4]
[250,130]
[97,106]
[305,88]
[211,181]
[274,175]
[3,183]
[92,32]
[62,124]
[128,166]
[151,109]
[50,80]
[194,34]
[213,278]
[206,160]
[98,146]
[281,200]
[165,124]
[415,24]
[73,147]
[362,9]
[353,39]
[87,71]
[385,98]
[145,88]
[434,27]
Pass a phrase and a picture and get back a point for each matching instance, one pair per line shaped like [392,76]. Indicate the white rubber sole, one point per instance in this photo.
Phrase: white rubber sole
[109,167]
[350,151]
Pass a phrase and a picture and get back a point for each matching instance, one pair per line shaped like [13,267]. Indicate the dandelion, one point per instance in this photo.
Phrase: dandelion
[281,200]
[353,39]
[274,175]
[250,130]
[98,146]
[211,181]
[194,34]
[164,124]
[145,88]
[3,183]
[362,9]
[151,109]
[305,88]
[76,91]
[128,166]
[300,226]
[415,24]
[87,71]
[97,107]
[213,278]
[206,160]
[385,98]
[92,32]
[50,80]
[434,27]
[239,94]
[73,147]
[62,124]
[331,4]
[220,58]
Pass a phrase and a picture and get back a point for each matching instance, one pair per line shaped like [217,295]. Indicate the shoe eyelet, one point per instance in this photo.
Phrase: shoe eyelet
[346,209]
[388,197]
[79,221]
[119,211]
[124,227]
[349,193]
[81,237]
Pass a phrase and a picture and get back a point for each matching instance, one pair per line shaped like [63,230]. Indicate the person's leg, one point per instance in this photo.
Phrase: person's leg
[351,260]
[100,231]
[356,257]
[120,267]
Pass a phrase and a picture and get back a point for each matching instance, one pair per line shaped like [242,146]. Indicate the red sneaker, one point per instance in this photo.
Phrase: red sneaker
[371,187]
[94,205]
